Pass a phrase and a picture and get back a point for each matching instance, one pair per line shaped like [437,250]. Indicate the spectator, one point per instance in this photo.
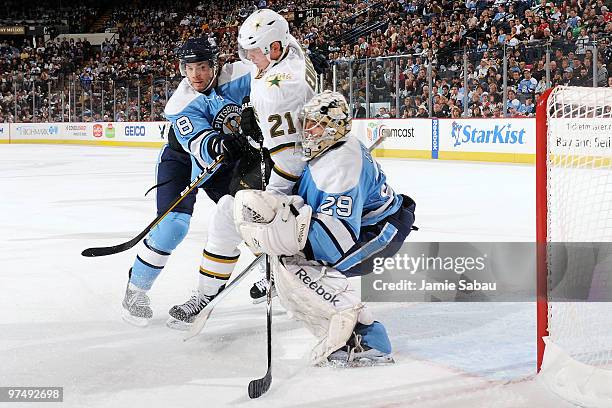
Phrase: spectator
[527,86]
[359,111]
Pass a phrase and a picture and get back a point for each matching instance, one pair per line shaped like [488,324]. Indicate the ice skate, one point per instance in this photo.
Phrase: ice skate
[136,306]
[258,290]
[182,316]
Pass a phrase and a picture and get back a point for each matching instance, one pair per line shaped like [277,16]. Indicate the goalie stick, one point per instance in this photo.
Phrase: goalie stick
[202,317]
[103,251]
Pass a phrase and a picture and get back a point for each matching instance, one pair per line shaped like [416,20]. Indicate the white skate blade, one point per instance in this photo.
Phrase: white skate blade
[134,320]
[175,324]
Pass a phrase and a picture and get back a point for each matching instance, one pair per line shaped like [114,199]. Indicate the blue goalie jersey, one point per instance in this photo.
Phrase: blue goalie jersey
[198,118]
[347,191]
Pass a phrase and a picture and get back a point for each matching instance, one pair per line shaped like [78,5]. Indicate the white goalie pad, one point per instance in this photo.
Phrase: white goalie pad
[272,223]
[323,299]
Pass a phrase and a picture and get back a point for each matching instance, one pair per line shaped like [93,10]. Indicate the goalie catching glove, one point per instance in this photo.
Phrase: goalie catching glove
[272,223]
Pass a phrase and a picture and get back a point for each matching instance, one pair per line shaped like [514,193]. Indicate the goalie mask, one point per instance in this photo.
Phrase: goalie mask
[198,50]
[326,121]
[260,30]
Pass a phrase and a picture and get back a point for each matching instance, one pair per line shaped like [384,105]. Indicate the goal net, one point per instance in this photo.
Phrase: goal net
[574,226]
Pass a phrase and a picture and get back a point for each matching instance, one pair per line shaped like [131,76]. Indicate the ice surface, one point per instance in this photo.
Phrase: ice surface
[60,323]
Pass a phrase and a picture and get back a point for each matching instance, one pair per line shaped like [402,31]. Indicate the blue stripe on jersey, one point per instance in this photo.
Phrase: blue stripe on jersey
[370,248]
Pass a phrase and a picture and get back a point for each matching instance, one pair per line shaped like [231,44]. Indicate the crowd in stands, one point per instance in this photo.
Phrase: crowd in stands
[131,77]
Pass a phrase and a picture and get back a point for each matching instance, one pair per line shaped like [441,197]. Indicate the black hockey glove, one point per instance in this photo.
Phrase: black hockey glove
[233,146]
[248,121]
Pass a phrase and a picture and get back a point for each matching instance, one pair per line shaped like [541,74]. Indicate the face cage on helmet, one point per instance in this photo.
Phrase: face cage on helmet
[212,63]
[312,146]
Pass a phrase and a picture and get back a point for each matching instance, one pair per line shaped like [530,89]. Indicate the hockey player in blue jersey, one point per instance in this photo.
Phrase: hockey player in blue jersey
[204,112]
[343,216]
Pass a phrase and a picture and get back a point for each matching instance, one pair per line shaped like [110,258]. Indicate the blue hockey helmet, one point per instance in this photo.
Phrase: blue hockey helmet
[198,50]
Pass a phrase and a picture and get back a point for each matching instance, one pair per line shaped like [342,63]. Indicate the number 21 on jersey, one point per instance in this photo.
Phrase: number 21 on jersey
[277,122]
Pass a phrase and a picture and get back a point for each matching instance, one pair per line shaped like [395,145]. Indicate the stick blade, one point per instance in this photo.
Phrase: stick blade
[103,251]
[260,386]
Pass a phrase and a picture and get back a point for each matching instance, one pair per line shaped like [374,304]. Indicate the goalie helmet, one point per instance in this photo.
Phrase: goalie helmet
[260,30]
[326,121]
[198,50]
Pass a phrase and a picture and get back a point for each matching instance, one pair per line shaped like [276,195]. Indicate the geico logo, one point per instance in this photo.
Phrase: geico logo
[316,287]
[135,131]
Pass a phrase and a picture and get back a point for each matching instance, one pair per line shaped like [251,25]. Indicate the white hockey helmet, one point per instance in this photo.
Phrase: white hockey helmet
[260,30]
[330,111]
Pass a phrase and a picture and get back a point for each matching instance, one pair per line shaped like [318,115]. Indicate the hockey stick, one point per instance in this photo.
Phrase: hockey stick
[103,251]
[202,317]
[259,386]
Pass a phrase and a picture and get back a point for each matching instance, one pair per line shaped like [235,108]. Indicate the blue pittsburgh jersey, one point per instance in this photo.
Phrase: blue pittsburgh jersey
[198,118]
[347,190]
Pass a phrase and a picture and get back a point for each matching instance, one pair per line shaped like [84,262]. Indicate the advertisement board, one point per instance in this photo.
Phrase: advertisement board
[581,136]
[506,140]
[402,137]
[497,140]
[141,134]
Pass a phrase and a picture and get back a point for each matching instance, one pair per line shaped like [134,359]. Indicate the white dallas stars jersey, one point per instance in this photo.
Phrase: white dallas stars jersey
[278,95]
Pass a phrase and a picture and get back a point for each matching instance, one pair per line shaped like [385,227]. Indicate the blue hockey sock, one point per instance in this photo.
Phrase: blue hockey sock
[157,247]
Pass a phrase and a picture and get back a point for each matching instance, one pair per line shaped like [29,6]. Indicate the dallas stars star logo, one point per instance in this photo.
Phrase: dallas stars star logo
[257,25]
[275,80]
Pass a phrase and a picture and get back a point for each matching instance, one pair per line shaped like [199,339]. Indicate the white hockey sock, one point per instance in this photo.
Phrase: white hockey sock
[215,270]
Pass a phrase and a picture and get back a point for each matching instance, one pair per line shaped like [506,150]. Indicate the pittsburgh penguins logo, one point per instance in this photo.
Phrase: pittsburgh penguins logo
[227,120]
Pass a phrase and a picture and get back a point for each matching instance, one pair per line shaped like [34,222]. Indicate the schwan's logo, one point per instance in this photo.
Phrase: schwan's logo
[53,130]
[498,134]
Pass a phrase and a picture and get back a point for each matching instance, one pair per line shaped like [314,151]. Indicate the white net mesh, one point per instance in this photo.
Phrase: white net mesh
[579,196]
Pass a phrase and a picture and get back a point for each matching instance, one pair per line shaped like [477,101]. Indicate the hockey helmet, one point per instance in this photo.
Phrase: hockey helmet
[260,30]
[329,111]
[198,50]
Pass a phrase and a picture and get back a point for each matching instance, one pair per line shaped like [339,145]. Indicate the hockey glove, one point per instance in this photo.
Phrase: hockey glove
[233,147]
[248,121]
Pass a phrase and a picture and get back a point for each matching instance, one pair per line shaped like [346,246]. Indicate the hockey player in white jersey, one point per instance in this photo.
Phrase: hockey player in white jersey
[204,112]
[282,80]
[345,215]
